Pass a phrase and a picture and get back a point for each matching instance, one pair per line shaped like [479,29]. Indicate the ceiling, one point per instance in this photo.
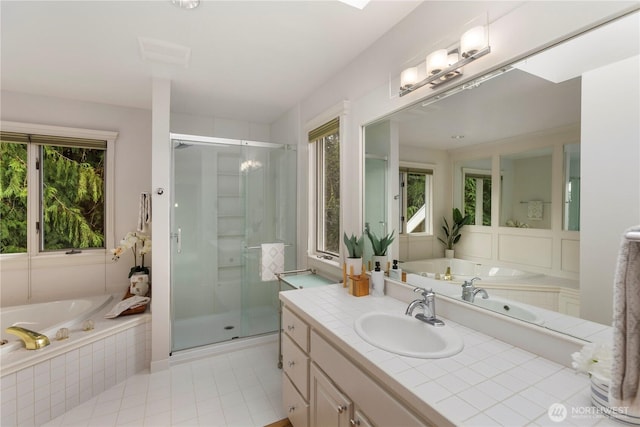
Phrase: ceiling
[249,60]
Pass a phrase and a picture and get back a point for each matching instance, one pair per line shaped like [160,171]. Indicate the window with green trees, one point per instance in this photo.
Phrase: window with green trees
[416,200]
[68,188]
[477,197]
[327,152]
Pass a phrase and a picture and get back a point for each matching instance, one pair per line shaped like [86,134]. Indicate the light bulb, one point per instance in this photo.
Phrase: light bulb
[408,77]
[473,41]
[436,61]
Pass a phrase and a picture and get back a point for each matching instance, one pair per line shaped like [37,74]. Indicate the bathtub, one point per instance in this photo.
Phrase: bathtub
[47,317]
[464,270]
[39,385]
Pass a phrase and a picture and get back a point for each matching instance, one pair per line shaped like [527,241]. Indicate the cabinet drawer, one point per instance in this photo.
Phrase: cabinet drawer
[295,407]
[295,363]
[296,328]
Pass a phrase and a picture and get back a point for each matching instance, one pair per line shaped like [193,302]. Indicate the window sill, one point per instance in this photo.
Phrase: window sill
[55,259]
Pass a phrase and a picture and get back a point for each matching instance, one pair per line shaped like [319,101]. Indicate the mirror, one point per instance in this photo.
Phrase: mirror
[472,186]
[525,189]
[506,150]
[571,218]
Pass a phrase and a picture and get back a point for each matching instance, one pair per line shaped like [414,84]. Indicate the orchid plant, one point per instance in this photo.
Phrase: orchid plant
[593,359]
[140,244]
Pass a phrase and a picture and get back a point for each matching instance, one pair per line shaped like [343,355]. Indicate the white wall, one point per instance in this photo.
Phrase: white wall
[610,159]
[49,281]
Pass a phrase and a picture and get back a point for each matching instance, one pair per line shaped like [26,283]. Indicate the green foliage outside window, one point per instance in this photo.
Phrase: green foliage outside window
[332,193]
[470,199]
[72,197]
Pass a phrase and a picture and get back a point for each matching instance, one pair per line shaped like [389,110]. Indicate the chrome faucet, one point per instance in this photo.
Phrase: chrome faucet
[32,340]
[428,304]
[469,291]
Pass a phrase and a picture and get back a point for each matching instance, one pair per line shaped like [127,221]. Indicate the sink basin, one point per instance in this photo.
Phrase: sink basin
[509,308]
[408,336]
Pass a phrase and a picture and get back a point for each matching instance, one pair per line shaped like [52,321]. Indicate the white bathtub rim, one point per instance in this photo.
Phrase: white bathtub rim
[23,358]
[98,302]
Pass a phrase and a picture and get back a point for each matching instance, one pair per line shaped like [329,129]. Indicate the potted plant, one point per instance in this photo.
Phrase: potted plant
[140,244]
[452,234]
[355,247]
[379,247]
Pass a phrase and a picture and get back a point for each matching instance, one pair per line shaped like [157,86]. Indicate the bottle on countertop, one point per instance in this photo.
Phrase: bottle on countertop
[395,272]
[377,281]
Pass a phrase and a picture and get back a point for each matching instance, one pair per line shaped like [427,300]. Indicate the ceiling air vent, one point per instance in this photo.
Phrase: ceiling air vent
[163,52]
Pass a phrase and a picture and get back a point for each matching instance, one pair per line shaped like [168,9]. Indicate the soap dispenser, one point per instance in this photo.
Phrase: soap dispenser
[377,281]
[395,272]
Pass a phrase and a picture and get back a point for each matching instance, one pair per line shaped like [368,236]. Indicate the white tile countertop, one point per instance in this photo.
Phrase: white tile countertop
[489,383]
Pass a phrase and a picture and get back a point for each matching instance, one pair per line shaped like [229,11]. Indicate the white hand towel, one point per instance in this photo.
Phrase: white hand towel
[144,212]
[535,210]
[624,389]
[126,304]
[272,260]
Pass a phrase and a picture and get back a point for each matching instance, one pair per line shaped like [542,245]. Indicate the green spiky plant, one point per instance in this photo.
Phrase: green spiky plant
[379,246]
[452,234]
[355,245]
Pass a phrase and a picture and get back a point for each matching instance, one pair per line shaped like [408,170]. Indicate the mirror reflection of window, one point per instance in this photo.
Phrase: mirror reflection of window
[526,189]
[572,187]
[477,196]
[416,201]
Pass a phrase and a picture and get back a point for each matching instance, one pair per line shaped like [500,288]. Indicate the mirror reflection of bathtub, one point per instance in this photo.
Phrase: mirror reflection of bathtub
[462,270]
[524,289]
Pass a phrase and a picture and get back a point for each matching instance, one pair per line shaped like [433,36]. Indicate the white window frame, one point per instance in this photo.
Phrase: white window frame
[60,258]
[430,171]
[340,111]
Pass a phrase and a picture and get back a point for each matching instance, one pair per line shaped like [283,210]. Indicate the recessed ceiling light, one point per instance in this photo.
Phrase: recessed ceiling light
[358,4]
[186,4]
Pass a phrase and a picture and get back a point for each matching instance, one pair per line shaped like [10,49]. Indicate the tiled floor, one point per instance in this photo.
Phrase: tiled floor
[240,388]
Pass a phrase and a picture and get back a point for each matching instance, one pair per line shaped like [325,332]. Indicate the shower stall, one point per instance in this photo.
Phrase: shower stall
[229,197]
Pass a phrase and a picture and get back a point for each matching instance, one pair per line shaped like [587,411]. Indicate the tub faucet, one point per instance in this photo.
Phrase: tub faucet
[32,340]
[428,304]
[469,291]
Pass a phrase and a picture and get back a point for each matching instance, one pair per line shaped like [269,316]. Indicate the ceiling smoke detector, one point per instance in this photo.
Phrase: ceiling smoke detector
[186,4]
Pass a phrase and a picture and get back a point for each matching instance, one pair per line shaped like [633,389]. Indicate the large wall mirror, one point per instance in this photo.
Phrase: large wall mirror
[506,148]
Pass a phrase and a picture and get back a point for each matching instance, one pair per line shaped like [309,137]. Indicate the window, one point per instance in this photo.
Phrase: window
[326,139]
[58,185]
[477,196]
[416,203]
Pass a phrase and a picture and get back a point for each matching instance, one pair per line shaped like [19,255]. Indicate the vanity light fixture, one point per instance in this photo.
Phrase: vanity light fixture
[408,77]
[186,4]
[437,61]
[445,64]
[473,41]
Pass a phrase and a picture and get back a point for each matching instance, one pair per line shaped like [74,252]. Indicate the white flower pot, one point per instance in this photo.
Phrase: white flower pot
[448,253]
[139,284]
[356,263]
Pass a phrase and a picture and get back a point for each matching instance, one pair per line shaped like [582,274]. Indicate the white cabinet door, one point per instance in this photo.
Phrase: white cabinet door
[329,407]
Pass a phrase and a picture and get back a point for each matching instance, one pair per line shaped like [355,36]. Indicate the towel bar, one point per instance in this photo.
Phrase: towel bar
[260,247]
[633,235]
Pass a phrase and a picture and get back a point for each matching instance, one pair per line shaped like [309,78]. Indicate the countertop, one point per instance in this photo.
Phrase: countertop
[489,383]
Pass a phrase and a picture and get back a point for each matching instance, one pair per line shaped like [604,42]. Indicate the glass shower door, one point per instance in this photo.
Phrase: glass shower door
[226,203]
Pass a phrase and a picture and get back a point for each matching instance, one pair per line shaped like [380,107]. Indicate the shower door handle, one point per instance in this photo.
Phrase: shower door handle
[178,237]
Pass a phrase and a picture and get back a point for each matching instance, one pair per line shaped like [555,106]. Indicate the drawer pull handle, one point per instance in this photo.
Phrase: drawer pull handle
[292,408]
[341,408]
[290,328]
[354,422]
[291,363]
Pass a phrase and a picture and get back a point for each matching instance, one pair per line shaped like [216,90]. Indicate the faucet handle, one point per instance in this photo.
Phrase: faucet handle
[424,292]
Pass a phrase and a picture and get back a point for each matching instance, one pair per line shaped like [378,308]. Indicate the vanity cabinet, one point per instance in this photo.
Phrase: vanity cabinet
[321,387]
[295,368]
